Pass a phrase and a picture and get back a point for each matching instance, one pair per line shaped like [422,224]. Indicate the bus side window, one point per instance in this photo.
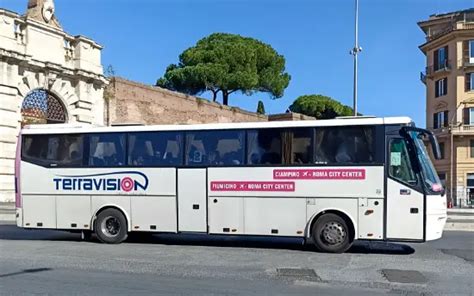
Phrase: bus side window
[344,145]
[53,150]
[154,149]
[195,151]
[106,150]
[400,166]
[140,149]
[35,149]
[301,152]
[230,148]
[172,154]
[215,148]
[324,146]
[264,146]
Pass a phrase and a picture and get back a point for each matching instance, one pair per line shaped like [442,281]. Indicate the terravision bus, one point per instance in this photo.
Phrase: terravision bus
[328,181]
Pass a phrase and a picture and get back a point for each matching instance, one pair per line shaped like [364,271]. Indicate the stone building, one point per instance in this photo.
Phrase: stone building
[49,76]
[449,80]
[46,76]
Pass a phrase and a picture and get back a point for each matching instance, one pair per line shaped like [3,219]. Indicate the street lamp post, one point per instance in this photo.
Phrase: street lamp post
[355,51]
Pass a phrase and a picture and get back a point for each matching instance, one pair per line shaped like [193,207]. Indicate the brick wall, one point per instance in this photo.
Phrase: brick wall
[131,102]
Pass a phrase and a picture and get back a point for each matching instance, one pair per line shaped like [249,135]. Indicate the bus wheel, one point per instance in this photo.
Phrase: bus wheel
[331,234]
[111,226]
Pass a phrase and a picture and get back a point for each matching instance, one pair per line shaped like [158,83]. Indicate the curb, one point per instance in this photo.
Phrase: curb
[459,226]
[7,218]
[458,211]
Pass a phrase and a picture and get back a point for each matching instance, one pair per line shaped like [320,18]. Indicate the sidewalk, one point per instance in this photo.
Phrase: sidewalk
[458,219]
[7,211]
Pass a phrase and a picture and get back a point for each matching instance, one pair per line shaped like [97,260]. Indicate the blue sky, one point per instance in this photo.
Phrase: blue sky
[142,37]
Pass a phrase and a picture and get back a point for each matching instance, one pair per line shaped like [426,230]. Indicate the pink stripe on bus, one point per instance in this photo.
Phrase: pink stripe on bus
[18,203]
[319,174]
[252,186]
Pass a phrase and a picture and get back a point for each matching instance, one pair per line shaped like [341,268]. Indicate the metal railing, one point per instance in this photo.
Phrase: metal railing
[440,32]
[466,26]
[460,199]
[465,62]
[462,128]
[464,21]
[442,67]
[423,77]
[454,128]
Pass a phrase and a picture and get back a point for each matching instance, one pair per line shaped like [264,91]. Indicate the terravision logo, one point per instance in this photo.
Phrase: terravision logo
[116,181]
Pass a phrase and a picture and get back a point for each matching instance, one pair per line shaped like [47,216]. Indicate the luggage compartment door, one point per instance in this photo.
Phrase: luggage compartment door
[192,200]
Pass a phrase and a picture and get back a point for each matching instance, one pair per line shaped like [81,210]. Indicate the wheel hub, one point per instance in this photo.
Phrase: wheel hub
[333,233]
[110,226]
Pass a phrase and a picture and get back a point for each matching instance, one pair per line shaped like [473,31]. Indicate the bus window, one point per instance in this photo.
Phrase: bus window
[106,150]
[301,152]
[264,146]
[53,150]
[344,145]
[154,149]
[214,148]
[400,166]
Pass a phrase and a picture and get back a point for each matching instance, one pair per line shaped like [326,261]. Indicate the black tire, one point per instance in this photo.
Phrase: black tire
[331,234]
[111,226]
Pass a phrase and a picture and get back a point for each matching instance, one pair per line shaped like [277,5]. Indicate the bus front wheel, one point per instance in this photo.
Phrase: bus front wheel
[331,234]
[111,226]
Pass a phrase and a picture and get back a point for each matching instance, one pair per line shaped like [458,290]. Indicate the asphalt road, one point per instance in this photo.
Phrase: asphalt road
[59,263]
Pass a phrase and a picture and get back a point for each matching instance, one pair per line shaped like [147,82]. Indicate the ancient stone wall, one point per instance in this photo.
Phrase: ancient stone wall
[132,102]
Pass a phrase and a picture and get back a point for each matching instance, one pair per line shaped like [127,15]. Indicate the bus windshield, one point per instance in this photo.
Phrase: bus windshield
[431,179]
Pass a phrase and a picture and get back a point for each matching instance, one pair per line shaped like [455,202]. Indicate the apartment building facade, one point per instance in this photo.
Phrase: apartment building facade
[449,80]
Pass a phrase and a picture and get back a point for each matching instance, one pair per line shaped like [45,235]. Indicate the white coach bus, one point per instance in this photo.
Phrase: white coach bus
[328,181]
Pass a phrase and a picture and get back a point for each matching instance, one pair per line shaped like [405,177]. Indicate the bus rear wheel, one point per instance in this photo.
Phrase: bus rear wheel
[111,226]
[331,234]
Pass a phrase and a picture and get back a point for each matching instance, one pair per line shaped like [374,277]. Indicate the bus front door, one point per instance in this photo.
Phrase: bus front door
[192,198]
[405,197]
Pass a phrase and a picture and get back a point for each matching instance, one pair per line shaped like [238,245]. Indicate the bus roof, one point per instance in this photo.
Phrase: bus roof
[87,128]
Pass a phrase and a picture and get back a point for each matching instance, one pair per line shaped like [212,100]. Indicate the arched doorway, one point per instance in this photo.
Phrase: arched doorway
[41,107]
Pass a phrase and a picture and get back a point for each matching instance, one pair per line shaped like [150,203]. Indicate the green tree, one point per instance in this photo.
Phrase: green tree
[321,107]
[260,108]
[226,63]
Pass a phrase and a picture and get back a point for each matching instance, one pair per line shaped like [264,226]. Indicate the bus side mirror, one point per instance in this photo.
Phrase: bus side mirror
[435,146]
[426,133]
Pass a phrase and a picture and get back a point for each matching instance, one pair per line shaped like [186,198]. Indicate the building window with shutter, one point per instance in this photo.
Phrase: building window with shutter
[471,150]
[471,51]
[441,149]
[440,119]
[441,87]
[441,58]
[469,82]
[468,116]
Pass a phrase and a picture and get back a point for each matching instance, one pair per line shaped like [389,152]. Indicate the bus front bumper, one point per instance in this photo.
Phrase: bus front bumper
[436,216]
[19,217]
